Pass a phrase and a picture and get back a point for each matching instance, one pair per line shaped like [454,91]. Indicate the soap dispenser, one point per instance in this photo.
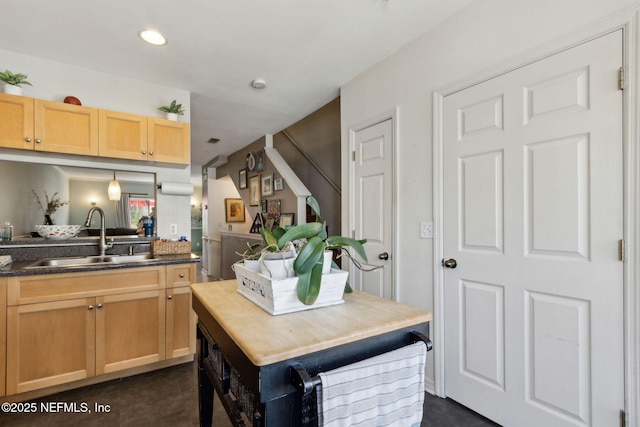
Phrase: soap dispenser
[6,231]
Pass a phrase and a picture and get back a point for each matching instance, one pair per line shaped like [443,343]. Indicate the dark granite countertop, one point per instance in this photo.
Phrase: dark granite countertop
[19,268]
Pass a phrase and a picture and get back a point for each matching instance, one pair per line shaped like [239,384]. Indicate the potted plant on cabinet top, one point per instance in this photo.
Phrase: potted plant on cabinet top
[13,82]
[305,245]
[173,110]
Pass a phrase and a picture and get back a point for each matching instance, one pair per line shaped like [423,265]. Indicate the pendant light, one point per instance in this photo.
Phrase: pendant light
[114,189]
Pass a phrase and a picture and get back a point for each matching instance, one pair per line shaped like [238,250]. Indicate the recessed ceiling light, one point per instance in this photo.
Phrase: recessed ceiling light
[152,37]
[259,84]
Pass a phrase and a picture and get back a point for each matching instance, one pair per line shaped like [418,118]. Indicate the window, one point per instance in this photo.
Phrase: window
[140,207]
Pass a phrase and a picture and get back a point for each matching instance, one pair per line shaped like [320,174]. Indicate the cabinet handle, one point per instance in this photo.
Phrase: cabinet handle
[151,153]
[90,307]
[99,305]
[144,151]
[181,275]
[170,297]
[27,139]
[38,141]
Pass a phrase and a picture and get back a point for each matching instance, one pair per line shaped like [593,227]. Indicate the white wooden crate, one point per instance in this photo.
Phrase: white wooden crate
[280,296]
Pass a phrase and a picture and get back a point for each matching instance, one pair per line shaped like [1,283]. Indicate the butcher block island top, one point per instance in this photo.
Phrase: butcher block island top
[267,339]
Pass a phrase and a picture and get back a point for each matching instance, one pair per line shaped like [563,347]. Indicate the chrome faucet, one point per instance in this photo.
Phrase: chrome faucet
[103,241]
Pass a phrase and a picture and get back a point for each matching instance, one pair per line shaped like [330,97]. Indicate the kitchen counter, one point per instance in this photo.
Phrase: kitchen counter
[260,352]
[267,339]
[18,268]
[24,251]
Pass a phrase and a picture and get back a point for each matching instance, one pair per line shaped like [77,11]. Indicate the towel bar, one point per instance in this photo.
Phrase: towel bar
[306,383]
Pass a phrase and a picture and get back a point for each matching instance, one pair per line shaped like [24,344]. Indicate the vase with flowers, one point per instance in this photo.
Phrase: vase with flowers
[52,205]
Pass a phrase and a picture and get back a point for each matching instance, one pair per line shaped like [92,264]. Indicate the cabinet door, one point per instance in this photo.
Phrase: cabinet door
[16,121]
[130,330]
[169,141]
[50,343]
[181,323]
[3,335]
[121,135]
[181,319]
[66,128]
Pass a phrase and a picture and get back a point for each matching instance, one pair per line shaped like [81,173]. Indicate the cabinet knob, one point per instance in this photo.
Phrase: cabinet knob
[99,305]
[151,153]
[90,307]
[27,139]
[144,151]
[170,297]
[181,275]
[38,141]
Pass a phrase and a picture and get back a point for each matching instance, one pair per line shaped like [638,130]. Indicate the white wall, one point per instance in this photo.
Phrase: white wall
[218,190]
[53,81]
[486,34]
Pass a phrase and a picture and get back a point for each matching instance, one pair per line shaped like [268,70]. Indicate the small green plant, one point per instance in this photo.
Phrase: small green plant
[174,108]
[14,79]
[312,240]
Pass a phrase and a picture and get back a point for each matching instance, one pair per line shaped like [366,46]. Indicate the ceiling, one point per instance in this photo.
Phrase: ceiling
[305,50]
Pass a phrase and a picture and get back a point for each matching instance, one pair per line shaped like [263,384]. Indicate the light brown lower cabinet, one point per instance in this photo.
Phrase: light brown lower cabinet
[181,319]
[50,343]
[3,335]
[130,330]
[55,339]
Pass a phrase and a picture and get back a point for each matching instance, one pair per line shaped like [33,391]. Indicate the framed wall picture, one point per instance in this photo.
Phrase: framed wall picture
[255,197]
[261,161]
[242,178]
[234,210]
[267,185]
[286,219]
[278,184]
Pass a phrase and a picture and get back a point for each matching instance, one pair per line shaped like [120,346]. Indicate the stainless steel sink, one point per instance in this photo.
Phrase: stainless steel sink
[91,260]
[129,258]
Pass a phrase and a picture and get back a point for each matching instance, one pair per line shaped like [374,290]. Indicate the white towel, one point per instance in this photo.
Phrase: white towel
[386,390]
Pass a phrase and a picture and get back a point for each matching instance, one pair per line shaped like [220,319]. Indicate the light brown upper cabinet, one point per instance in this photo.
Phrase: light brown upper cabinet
[66,128]
[16,121]
[34,124]
[129,136]
[123,136]
[168,141]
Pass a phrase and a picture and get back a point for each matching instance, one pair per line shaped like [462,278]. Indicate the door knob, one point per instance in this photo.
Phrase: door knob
[384,256]
[450,263]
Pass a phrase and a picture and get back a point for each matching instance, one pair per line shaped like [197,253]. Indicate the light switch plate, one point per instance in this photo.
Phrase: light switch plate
[426,230]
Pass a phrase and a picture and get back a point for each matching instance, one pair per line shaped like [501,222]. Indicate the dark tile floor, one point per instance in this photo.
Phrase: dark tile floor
[169,398]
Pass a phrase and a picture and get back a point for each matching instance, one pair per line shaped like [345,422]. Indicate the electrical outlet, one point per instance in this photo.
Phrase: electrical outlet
[173,228]
[426,230]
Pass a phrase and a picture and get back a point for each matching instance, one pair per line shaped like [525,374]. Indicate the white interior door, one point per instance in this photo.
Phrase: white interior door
[373,204]
[533,213]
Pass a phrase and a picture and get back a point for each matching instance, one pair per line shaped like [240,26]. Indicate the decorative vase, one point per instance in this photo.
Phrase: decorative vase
[252,264]
[278,266]
[12,89]
[172,116]
[326,262]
